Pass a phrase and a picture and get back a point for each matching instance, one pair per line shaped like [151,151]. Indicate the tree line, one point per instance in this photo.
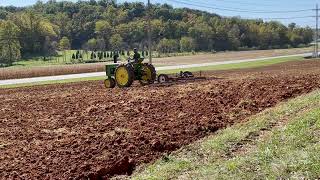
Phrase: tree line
[102,25]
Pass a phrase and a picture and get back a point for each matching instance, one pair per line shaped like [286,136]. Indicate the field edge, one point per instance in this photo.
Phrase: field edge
[246,150]
[243,65]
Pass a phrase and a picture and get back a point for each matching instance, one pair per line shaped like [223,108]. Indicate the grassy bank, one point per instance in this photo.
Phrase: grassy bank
[279,143]
[207,68]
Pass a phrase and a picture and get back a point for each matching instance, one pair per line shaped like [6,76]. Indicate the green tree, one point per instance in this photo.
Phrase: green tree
[49,47]
[116,15]
[201,32]
[92,44]
[234,37]
[101,44]
[103,29]
[64,45]
[64,23]
[187,44]
[33,31]
[9,44]
[92,55]
[116,41]
[167,46]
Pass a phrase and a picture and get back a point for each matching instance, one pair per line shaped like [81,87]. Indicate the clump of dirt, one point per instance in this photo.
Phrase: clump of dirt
[124,166]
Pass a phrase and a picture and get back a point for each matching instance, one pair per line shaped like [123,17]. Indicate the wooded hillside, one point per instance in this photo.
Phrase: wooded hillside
[106,25]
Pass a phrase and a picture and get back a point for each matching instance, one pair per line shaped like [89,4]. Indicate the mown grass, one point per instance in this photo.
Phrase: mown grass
[290,150]
[242,65]
[208,68]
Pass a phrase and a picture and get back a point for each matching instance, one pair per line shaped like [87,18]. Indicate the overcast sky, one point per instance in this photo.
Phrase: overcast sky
[243,8]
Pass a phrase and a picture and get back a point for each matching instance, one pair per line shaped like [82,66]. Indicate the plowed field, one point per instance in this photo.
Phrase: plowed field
[82,130]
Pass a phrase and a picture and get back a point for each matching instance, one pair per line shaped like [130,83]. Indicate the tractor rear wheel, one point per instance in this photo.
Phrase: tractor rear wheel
[124,76]
[110,83]
[149,74]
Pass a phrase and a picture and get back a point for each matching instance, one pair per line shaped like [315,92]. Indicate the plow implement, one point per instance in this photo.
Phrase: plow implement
[183,76]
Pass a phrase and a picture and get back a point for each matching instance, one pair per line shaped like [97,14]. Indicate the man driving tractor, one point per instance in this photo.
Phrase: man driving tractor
[123,75]
[136,56]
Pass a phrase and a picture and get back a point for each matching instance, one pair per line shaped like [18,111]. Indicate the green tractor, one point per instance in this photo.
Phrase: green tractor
[123,75]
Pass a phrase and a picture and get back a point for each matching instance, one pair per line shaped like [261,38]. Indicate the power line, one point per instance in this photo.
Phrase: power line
[234,9]
[263,3]
[245,3]
[283,18]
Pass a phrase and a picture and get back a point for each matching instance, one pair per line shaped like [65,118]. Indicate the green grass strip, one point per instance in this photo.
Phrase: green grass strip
[290,152]
[242,65]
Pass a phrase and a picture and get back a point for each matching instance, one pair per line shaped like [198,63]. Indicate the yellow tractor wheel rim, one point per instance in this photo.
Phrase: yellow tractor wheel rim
[147,74]
[122,76]
[107,83]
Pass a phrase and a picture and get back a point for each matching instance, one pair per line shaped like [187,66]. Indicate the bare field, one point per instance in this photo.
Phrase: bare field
[15,73]
[82,130]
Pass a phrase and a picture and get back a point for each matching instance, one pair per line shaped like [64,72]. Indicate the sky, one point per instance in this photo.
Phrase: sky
[264,9]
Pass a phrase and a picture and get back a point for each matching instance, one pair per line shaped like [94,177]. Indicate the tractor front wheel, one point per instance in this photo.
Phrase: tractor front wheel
[124,76]
[110,83]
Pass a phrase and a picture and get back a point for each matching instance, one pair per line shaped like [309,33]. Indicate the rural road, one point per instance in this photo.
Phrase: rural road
[97,74]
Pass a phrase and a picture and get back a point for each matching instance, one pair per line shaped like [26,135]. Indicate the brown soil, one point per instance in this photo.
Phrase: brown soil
[83,130]
[14,73]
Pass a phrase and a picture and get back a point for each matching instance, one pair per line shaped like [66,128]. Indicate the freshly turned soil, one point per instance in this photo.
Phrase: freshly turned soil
[82,130]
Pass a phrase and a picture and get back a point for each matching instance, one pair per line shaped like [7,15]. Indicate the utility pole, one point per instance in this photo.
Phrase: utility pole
[317,31]
[149,32]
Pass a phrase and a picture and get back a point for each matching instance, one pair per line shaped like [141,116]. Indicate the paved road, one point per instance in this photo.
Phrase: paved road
[97,74]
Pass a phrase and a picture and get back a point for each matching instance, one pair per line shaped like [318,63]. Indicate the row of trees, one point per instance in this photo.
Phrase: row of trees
[185,44]
[105,55]
[106,25]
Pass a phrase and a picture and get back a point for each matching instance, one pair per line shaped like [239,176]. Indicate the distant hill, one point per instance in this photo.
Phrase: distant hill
[105,24]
